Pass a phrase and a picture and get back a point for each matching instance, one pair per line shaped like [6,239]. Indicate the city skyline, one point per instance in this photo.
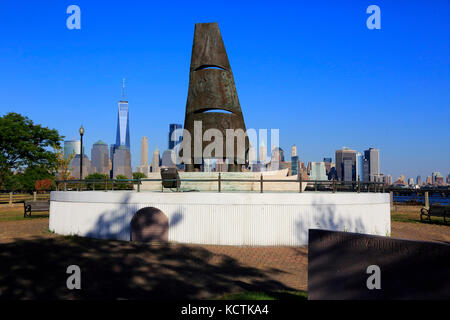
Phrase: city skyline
[281,80]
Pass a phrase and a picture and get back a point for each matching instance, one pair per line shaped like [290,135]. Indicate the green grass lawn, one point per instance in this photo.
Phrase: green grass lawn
[414,217]
[17,214]
[273,295]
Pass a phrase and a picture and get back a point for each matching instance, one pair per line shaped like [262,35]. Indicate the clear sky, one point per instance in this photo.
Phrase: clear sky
[312,69]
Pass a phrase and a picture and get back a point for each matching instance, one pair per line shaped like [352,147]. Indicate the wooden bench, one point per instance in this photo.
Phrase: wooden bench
[435,210]
[35,205]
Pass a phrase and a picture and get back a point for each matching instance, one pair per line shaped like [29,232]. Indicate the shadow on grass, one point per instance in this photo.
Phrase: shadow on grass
[271,295]
[36,269]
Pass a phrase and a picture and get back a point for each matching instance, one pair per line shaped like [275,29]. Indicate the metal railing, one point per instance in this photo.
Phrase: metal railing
[128,184]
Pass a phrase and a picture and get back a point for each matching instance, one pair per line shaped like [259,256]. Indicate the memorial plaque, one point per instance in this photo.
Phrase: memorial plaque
[344,265]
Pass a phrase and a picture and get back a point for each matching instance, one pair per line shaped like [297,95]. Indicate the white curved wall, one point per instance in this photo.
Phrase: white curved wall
[222,218]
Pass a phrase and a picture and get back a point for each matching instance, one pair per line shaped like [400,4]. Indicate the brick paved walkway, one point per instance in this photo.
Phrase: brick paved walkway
[35,267]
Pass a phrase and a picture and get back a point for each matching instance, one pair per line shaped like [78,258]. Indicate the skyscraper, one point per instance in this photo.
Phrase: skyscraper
[123,123]
[99,158]
[346,154]
[294,165]
[75,166]
[72,147]
[359,166]
[166,160]
[373,156]
[155,161]
[387,179]
[419,180]
[293,151]
[262,153]
[144,167]
[172,128]
[317,171]
[122,162]
[348,170]
[144,151]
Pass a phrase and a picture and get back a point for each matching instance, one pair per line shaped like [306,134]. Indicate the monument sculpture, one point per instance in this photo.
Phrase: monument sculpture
[212,97]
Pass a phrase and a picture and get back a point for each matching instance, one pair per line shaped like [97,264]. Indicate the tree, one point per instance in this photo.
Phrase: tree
[139,175]
[63,170]
[97,176]
[25,145]
[122,185]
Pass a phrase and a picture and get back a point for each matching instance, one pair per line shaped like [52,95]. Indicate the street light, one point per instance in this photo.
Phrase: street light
[81,153]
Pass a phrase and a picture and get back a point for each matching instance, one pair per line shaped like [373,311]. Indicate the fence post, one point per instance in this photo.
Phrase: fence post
[220,183]
[65,186]
[34,195]
[427,200]
[10,199]
[261,181]
[334,185]
[139,185]
[106,185]
[359,185]
[300,189]
[391,194]
[93,186]
[315,185]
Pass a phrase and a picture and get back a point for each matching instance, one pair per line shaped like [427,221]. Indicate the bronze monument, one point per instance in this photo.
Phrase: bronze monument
[212,97]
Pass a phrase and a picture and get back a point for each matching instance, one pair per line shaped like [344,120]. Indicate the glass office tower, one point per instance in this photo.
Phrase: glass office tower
[123,125]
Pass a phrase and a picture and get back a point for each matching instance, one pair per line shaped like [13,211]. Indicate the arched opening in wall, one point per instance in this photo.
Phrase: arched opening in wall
[149,225]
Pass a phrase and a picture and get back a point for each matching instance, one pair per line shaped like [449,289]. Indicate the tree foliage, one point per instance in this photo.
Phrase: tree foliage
[139,175]
[25,151]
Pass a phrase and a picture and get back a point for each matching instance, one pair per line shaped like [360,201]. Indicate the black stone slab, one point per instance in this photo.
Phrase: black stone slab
[338,261]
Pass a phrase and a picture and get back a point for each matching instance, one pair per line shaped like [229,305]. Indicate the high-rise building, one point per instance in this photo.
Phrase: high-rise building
[72,147]
[294,165]
[359,166]
[373,157]
[410,181]
[75,166]
[144,167]
[144,152]
[387,179]
[448,179]
[429,180]
[166,161]
[123,125]
[100,158]
[317,171]
[155,161]
[293,151]
[341,156]
[419,180]
[122,162]
[434,175]
[172,128]
[348,170]
[262,153]
[123,122]
[252,159]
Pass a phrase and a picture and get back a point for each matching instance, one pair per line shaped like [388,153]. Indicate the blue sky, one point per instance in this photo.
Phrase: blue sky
[312,69]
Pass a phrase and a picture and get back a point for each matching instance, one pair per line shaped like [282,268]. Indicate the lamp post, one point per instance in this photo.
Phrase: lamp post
[81,153]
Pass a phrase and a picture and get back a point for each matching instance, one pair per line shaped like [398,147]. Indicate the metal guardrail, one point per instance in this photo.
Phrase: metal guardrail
[128,184]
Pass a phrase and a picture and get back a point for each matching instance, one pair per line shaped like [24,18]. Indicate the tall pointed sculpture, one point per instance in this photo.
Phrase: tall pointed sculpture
[212,97]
